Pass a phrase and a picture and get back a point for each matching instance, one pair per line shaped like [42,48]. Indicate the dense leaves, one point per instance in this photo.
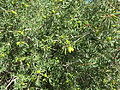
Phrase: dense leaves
[59,45]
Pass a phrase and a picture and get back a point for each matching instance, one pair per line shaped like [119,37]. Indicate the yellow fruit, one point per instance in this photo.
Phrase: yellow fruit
[53,11]
[28,64]
[45,75]
[21,42]
[70,49]
[109,38]
[26,5]
[2,55]
[38,71]
[67,41]
[78,22]
[13,12]
[20,32]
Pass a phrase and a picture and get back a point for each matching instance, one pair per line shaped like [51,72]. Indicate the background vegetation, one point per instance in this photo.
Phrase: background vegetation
[59,45]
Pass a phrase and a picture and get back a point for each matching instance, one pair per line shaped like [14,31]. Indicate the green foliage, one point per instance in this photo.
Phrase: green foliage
[59,45]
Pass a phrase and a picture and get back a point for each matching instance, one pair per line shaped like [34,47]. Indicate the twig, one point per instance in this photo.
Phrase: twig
[10,83]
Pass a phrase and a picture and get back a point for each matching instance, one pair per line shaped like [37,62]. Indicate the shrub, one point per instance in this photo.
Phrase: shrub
[59,44]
